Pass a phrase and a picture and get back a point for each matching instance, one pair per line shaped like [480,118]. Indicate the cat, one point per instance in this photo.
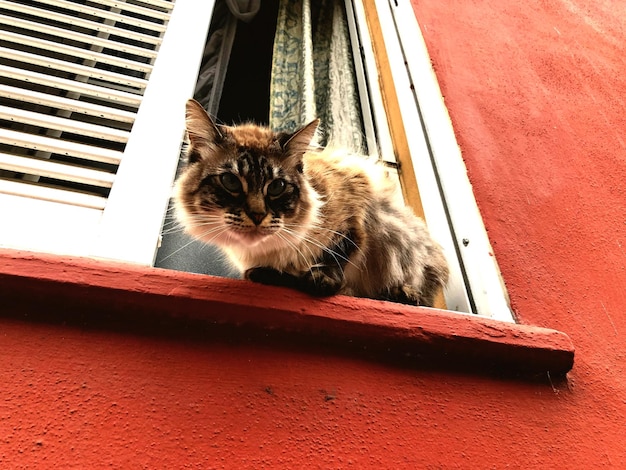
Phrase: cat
[290,214]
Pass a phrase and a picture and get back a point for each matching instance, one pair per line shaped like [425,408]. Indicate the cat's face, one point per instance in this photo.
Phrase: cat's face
[243,184]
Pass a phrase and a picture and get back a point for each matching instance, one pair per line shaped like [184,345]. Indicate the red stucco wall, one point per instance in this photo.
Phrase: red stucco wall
[92,399]
[535,93]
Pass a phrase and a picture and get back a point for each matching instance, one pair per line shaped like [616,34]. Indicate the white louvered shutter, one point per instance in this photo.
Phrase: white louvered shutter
[92,99]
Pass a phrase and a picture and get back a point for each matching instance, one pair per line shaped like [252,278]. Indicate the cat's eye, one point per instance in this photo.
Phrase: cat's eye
[230,182]
[276,187]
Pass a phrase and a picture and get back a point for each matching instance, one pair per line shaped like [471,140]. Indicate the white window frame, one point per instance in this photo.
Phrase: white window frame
[152,151]
[449,205]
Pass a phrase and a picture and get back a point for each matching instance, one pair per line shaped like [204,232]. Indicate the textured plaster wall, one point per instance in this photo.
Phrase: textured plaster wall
[536,94]
[81,398]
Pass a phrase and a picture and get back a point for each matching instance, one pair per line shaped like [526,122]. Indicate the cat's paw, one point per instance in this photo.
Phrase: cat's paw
[320,283]
[314,282]
[269,276]
[403,295]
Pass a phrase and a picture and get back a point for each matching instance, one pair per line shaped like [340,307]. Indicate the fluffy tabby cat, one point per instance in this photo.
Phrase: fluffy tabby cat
[289,214]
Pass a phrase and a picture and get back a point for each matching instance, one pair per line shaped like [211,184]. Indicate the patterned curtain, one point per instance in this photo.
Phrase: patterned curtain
[313,73]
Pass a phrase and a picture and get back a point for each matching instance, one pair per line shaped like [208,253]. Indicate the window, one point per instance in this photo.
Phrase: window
[112,203]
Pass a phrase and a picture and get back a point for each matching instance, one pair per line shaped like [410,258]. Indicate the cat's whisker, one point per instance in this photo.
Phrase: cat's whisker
[317,243]
[325,229]
[307,263]
[179,249]
[296,249]
[200,238]
[299,239]
[176,226]
[171,226]
[324,248]
[171,230]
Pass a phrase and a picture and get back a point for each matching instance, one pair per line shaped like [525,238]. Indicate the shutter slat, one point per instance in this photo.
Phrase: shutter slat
[62,124]
[72,51]
[107,14]
[33,166]
[70,67]
[59,102]
[165,4]
[32,191]
[76,36]
[82,23]
[48,144]
[95,91]
[162,13]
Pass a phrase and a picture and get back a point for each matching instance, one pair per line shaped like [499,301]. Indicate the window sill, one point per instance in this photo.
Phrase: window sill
[423,337]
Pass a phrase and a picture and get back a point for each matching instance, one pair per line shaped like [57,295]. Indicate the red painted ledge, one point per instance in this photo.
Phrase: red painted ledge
[128,292]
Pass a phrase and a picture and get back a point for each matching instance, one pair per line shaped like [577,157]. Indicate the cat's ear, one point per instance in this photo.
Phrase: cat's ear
[300,141]
[201,129]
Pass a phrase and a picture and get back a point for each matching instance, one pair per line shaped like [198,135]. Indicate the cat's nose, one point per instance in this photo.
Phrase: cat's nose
[257,217]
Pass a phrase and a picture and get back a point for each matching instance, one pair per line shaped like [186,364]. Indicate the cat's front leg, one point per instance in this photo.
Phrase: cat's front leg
[326,277]
[271,276]
[322,281]
[403,294]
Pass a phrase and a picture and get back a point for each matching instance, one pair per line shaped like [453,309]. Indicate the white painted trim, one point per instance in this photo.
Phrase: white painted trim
[48,223]
[362,83]
[66,49]
[123,5]
[482,273]
[32,192]
[63,124]
[70,67]
[112,16]
[379,116]
[434,209]
[127,225]
[132,219]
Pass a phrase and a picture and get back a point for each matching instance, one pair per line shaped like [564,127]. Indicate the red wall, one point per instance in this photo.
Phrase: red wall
[535,93]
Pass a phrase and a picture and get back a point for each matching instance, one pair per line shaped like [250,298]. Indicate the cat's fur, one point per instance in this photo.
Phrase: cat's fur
[289,214]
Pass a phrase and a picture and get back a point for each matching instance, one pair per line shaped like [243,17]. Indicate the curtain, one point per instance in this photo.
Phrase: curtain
[217,50]
[313,73]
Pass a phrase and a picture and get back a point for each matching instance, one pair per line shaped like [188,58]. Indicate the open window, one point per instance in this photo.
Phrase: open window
[91,123]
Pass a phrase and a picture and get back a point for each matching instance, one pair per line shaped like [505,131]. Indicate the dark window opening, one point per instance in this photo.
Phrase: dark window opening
[234,87]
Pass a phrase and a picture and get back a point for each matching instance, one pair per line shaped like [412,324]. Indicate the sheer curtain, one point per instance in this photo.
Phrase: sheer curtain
[313,73]
[226,15]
